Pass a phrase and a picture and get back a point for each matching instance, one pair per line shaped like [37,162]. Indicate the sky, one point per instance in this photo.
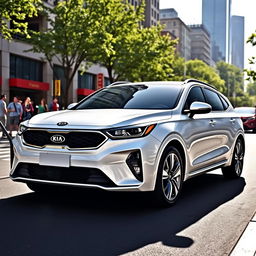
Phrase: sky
[190,11]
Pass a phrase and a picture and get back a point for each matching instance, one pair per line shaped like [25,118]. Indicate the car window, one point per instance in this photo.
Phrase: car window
[224,102]
[214,100]
[195,94]
[133,97]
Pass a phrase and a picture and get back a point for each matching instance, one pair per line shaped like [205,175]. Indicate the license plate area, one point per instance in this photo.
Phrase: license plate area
[59,160]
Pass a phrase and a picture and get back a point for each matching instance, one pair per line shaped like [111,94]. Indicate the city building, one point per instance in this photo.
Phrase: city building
[181,31]
[237,41]
[168,13]
[216,19]
[151,11]
[200,43]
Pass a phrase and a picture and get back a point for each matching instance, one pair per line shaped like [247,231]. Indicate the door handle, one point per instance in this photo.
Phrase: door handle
[212,122]
[232,120]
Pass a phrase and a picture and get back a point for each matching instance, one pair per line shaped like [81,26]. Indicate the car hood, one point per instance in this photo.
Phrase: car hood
[98,118]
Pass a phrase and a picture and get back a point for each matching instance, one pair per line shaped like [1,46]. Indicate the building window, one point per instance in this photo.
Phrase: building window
[86,81]
[25,68]
[174,23]
[106,81]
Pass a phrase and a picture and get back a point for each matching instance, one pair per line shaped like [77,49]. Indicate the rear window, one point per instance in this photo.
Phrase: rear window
[133,97]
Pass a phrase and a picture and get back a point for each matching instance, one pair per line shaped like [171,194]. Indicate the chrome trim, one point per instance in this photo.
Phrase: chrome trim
[62,146]
[75,184]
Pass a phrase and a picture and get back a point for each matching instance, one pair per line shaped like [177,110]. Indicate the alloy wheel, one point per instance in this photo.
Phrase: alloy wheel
[238,158]
[171,176]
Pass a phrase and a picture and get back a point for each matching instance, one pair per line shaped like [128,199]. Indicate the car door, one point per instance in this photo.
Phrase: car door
[198,133]
[208,136]
[221,125]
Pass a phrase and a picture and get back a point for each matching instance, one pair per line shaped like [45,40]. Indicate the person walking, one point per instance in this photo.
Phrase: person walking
[43,106]
[28,109]
[3,112]
[15,114]
[54,105]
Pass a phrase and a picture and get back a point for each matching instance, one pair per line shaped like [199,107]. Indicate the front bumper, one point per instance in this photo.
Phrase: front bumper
[106,166]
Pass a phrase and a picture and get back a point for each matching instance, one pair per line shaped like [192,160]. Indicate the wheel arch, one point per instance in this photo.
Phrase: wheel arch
[176,142]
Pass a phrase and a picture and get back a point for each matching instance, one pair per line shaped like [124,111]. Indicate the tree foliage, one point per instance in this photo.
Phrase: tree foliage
[16,11]
[129,51]
[234,84]
[69,38]
[197,69]
[251,73]
[233,77]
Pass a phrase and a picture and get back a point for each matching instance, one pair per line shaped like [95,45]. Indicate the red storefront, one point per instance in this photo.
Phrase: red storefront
[23,88]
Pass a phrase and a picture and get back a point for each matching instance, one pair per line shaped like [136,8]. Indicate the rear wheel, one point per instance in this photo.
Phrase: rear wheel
[236,167]
[169,178]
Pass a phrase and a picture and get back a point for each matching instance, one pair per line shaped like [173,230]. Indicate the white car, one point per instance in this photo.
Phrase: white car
[149,136]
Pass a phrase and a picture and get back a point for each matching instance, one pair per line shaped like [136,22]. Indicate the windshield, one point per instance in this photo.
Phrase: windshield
[245,111]
[133,97]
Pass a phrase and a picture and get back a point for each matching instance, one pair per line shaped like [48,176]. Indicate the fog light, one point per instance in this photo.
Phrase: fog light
[135,164]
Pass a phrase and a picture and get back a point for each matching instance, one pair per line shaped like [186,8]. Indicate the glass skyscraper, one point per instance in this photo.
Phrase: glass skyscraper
[237,41]
[216,18]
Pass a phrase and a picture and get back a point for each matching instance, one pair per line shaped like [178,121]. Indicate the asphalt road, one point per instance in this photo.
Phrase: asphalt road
[208,219]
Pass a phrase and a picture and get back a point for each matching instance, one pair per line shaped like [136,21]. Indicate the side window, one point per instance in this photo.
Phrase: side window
[224,102]
[195,94]
[213,99]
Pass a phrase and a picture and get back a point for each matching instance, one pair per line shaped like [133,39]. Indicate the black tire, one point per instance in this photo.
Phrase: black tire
[170,177]
[236,167]
[254,130]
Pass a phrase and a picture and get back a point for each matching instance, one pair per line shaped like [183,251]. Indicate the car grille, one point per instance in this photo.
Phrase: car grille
[73,139]
[75,175]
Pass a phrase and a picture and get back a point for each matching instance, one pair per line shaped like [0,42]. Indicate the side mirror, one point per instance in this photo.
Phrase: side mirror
[71,105]
[198,108]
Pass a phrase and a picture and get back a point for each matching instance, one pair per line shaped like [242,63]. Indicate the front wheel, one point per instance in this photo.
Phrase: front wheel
[236,167]
[169,177]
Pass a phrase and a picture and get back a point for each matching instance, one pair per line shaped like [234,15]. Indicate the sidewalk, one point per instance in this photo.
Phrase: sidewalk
[246,245]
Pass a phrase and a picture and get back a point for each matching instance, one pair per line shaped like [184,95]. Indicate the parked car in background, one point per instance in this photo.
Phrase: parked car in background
[147,136]
[248,116]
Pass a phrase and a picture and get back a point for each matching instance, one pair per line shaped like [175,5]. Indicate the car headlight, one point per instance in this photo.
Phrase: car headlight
[22,129]
[134,132]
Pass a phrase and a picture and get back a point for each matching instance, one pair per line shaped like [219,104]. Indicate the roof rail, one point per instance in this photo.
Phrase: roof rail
[119,82]
[197,81]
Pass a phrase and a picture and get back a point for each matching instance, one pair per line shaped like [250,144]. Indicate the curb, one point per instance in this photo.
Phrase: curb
[246,245]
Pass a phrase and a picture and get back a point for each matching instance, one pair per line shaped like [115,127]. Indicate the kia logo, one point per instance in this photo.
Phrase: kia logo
[57,138]
[62,123]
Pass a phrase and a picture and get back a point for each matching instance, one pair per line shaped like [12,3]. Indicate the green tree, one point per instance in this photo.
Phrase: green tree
[70,37]
[129,51]
[149,56]
[16,11]
[251,73]
[197,69]
[251,88]
[233,77]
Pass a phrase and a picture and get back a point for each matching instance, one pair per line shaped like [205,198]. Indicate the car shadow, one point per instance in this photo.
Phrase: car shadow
[99,223]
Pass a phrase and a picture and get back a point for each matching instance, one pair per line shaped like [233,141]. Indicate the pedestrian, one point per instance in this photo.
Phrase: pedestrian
[43,107]
[28,109]
[54,105]
[15,114]
[3,112]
